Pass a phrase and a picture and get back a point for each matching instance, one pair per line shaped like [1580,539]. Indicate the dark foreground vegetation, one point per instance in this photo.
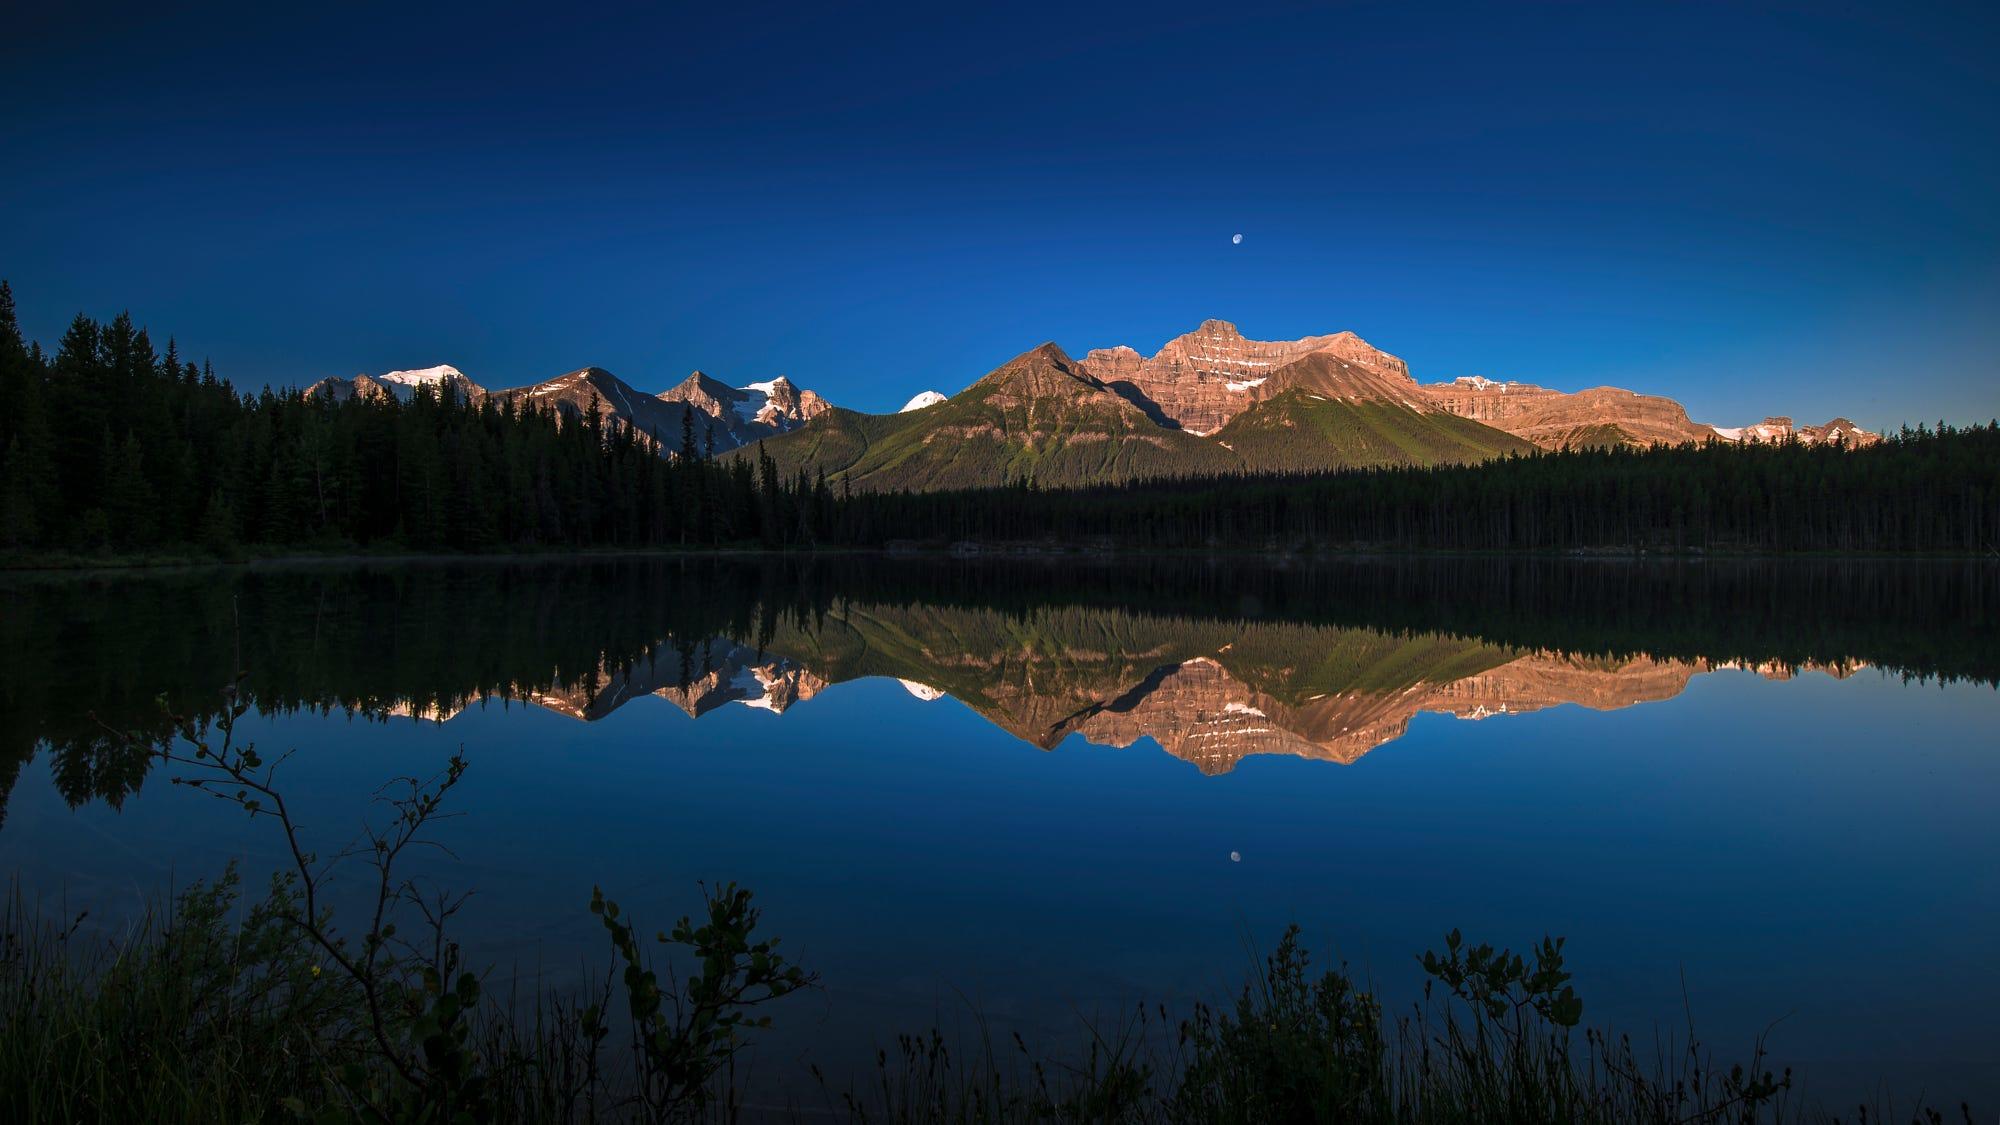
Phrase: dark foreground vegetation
[110,448]
[284,1011]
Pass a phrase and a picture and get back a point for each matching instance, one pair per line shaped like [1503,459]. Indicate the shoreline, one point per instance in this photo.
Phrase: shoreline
[964,551]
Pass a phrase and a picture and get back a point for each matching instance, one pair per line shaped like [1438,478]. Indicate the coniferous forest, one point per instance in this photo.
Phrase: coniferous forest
[115,446]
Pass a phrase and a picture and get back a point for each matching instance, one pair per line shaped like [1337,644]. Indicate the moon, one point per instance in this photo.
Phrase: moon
[1236,240]
[1236,857]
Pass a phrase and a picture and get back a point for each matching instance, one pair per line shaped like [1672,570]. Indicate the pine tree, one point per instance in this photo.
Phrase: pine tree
[218,526]
[20,525]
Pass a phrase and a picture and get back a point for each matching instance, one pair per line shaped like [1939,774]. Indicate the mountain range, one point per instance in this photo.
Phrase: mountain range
[1209,402]
[723,417]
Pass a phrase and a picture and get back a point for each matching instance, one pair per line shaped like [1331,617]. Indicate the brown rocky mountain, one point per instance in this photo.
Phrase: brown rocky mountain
[593,389]
[1199,381]
[742,415]
[1600,416]
[1607,416]
[1316,404]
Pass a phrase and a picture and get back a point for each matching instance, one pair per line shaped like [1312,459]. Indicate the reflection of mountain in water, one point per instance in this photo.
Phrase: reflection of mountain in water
[1214,694]
[1214,659]
[695,679]
[1208,693]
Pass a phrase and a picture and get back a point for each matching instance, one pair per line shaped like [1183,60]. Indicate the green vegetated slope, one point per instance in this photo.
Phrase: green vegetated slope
[1301,431]
[1039,418]
[1603,435]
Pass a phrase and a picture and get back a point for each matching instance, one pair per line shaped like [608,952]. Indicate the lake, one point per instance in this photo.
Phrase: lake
[1755,796]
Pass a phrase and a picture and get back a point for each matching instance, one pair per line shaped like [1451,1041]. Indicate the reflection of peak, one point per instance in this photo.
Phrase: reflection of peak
[697,679]
[433,712]
[774,686]
[924,692]
[1200,712]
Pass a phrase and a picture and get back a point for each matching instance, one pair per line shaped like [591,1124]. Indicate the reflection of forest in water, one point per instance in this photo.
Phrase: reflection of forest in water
[1215,659]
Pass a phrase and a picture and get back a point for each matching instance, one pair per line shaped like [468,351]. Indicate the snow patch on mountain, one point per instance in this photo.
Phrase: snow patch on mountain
[422,376]
[926,399]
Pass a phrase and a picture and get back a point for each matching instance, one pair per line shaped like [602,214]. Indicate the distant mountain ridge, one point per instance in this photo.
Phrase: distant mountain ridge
[1208,402]
[730,416]
[1603,416]
[1319,403]
[1312,404]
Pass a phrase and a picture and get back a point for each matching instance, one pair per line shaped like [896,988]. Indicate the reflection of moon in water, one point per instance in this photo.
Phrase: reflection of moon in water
[1236,857]
[1235,240]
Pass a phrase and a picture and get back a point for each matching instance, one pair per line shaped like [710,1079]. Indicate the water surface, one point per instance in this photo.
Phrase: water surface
[1753,793]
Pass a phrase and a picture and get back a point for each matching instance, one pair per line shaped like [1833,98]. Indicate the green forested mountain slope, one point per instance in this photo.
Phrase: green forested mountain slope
[1041,417]
[1301,431]
[1038,417]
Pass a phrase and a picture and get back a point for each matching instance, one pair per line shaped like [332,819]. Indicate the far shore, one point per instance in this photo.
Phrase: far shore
[47,562]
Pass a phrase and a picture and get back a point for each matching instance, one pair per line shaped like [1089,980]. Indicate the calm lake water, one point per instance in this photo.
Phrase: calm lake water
[1759,795]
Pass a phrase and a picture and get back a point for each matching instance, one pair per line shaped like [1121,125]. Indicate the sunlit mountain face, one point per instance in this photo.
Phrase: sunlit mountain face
[1208,663]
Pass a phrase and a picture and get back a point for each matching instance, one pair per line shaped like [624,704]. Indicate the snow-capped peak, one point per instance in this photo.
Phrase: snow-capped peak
[925,692]
[768,387]
[423,375]
[927,398]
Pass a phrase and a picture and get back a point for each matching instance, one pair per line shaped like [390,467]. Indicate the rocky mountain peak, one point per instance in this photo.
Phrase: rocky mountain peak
[419,376]
[1200,380]
[443,380]
[1046,360]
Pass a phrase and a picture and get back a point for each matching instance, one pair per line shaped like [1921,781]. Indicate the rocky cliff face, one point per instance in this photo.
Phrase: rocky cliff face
[594,390]
[1600,416]
[742,415]
[1199,381]
[1840,431]
[1607,416]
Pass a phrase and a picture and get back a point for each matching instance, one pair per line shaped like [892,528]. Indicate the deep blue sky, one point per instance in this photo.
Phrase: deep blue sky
[1791,209]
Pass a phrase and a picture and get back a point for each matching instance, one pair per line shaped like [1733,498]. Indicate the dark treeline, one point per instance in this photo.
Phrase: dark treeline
[1922,490]
[86,654]
[112,446]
